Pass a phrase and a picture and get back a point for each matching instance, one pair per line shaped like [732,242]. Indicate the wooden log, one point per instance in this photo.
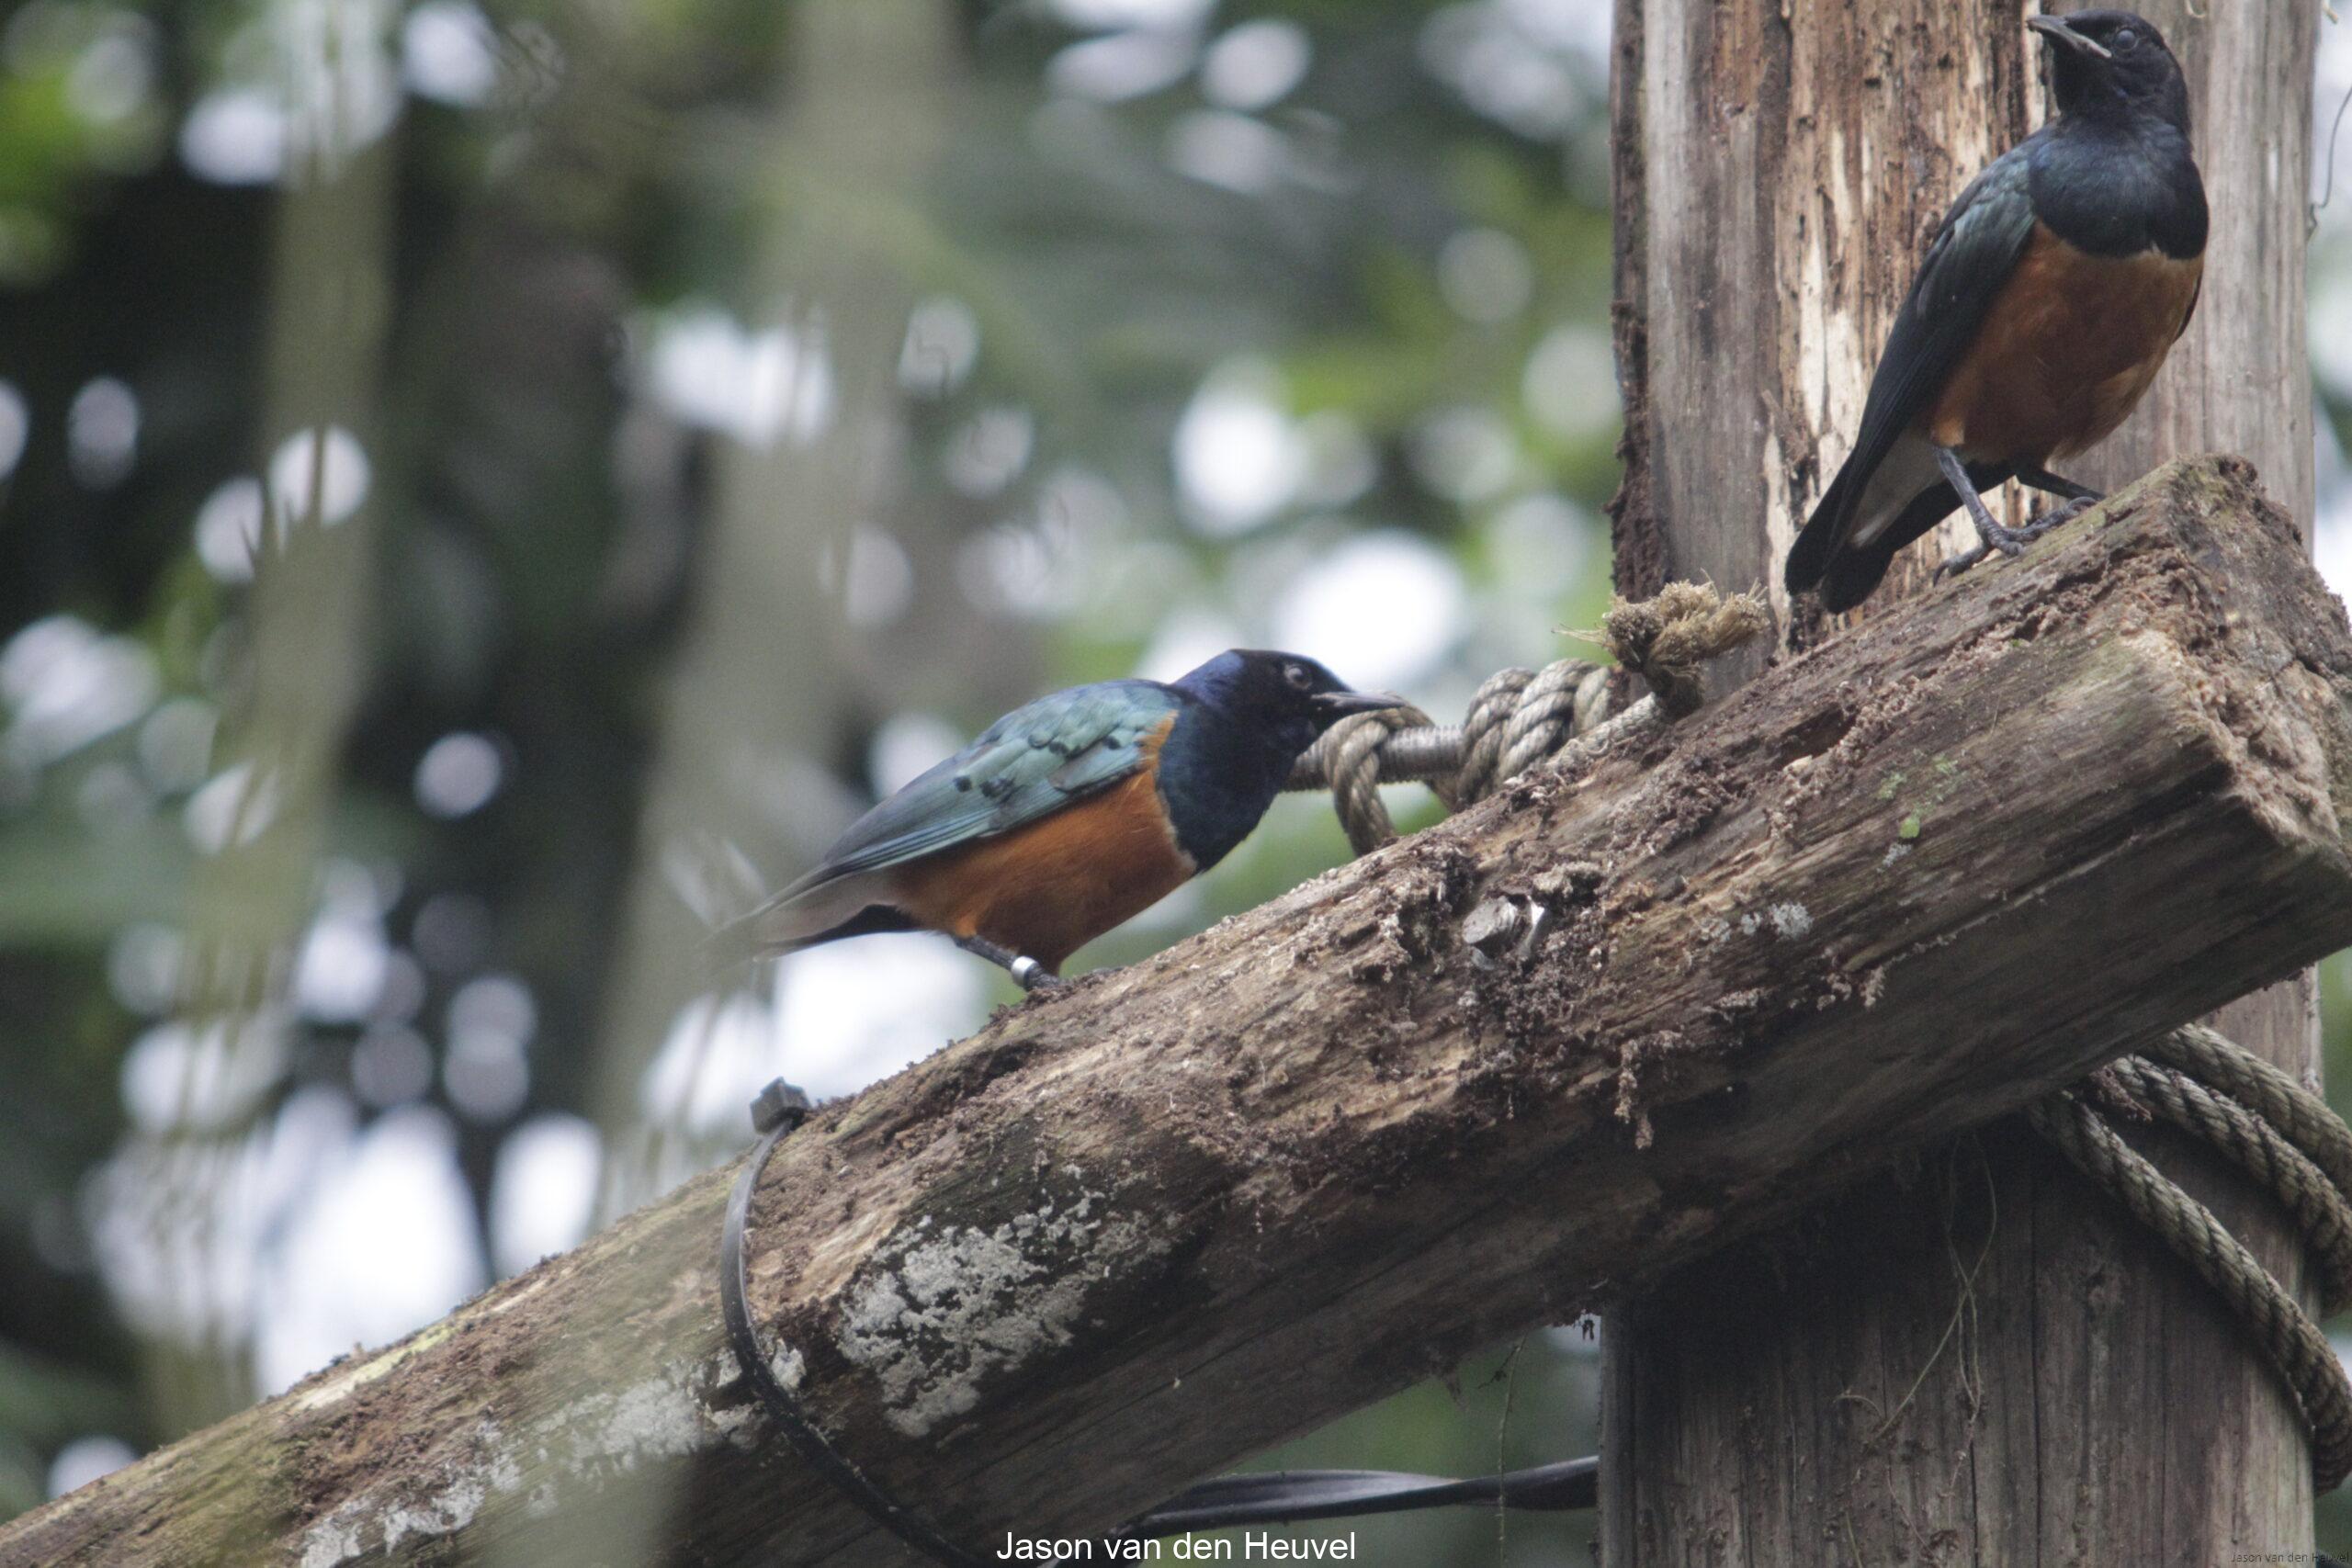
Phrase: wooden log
[1780,173]
[1138,1228]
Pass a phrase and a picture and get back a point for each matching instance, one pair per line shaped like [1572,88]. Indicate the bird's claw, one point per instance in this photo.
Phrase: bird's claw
[2012,542]
[1952,566]
[2009,541]
[2066,511]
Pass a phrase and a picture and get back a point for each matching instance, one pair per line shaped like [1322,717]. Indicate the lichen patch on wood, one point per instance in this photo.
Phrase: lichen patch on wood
[596,1437]
[955,1304]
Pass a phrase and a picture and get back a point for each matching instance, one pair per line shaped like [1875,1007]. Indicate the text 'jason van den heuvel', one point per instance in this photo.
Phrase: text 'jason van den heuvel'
[1255,1546]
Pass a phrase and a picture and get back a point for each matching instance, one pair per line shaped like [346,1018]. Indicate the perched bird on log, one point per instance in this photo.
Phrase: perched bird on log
[2047,302]
[1068,815]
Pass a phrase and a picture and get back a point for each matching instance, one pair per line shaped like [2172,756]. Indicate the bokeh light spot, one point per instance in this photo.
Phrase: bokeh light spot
[459,774]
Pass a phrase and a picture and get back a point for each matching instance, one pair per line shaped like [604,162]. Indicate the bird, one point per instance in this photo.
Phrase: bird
[1067,816]
[2051,293]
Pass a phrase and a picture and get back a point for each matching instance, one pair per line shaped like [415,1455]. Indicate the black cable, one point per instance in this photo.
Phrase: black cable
[1273,1497]
[1291,1497]
[779,1110]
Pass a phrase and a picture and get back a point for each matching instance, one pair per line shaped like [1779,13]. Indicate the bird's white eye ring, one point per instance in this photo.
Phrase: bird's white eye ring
[1297,676]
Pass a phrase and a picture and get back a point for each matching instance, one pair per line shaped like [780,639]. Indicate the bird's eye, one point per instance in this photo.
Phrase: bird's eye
[2124,42]
[1297,676]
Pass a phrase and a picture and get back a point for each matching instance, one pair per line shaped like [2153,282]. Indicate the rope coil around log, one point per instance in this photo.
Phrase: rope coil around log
[2287,1337]
[2278,1134]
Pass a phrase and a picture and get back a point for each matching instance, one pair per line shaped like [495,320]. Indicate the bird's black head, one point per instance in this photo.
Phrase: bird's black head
[2112,66]
[1251,714]
[1279,694]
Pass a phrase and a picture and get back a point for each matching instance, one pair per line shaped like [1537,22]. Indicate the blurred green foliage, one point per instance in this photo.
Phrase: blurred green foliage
[998,255]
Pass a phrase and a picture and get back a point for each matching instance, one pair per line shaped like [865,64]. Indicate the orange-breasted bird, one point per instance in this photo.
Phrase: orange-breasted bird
[2047,302]
[1068,815]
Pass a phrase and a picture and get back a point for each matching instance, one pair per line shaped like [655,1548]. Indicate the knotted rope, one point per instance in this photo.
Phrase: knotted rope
[1521,719]
[2278,1134]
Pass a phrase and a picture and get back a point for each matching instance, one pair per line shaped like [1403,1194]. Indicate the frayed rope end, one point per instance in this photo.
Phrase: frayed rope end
[1667,639]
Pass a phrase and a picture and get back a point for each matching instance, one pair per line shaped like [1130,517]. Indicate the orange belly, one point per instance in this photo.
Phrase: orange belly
[2067,351]
[1049,889]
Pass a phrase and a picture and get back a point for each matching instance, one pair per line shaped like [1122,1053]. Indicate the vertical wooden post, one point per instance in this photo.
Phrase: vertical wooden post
[1977,1361]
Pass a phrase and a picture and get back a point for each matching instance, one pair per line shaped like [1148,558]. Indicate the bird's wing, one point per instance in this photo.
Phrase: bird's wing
[1970,258]
[1023,766]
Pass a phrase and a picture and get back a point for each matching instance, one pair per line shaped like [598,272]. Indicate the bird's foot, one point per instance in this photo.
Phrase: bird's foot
[2065,512]
[2009,541]
[2012,541]
[1994,536]
[1952,566]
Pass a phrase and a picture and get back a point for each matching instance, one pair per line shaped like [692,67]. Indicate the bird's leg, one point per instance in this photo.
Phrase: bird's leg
[2009,541]
[1027,973]
[2080,498]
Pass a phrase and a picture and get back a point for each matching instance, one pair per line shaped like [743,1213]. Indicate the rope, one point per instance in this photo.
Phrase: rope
[2282,1329]
[2279,1135]
[2302,1116]
[2317,1207]
[1521,719]
[1353,747]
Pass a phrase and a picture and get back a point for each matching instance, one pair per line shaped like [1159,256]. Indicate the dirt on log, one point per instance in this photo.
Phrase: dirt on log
[1142,1227]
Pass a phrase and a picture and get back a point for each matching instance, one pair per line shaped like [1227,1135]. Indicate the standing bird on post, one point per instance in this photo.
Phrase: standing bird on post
[2047,302]
[1068,815]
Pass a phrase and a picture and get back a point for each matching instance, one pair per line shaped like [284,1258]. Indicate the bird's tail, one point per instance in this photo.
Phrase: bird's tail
[809,912]
[1811,557]
[1826,556]
[1855,573]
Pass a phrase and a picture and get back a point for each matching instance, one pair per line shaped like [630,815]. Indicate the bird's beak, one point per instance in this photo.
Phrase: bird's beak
[1338,704]
[2057,31]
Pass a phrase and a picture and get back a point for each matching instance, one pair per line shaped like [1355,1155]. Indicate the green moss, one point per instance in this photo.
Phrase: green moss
[1910,827]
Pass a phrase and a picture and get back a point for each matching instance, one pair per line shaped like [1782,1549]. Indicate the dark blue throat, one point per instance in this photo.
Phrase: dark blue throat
[1219,772]
[2116,187]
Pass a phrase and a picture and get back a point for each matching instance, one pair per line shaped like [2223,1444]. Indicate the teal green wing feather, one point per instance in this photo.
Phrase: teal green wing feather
[1025,765]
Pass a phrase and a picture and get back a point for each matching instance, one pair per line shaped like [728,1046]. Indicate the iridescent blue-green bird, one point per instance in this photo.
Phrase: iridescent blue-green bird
[1068,815]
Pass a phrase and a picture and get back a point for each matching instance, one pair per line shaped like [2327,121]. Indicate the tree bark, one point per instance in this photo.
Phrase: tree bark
[1139,1227]
[1987,1366]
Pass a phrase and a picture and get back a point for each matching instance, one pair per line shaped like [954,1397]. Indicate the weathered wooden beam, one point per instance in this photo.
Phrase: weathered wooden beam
[1137,1229]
